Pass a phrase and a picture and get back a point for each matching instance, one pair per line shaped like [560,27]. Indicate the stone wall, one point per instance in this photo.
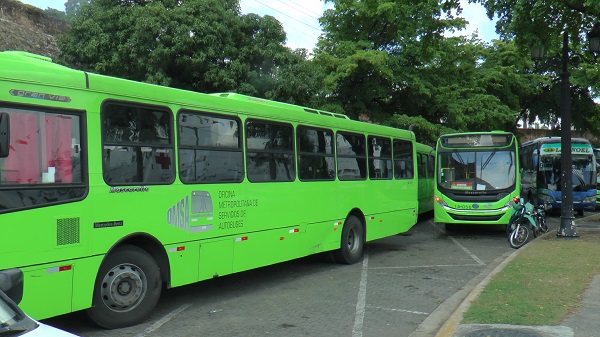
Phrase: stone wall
[28,28]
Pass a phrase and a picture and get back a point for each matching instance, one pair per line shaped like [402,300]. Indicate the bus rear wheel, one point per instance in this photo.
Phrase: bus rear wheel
[353,240]
[127,288]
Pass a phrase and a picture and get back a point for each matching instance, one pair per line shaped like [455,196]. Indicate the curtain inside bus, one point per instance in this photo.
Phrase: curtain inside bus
[40,149]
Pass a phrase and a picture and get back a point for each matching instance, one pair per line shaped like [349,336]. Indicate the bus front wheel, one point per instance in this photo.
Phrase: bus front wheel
[352,243]
[127,288]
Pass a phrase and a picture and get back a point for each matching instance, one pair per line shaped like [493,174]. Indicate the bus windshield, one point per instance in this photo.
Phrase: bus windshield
[477,170]
[584,172]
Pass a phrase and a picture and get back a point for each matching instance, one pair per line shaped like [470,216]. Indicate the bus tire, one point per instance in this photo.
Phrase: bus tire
[450,227]
[127,288]
[352,243]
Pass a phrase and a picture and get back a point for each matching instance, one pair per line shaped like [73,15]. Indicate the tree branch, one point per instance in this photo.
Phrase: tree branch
[580,7]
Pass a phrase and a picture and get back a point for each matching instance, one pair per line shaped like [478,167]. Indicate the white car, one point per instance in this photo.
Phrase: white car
[13,321]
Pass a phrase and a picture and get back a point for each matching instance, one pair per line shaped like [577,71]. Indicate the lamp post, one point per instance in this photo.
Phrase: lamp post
[567,224]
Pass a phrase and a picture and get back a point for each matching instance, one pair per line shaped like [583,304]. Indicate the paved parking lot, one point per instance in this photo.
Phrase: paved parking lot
[406,285]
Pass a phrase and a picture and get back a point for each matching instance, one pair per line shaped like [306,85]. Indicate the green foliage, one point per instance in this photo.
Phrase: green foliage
[72,7]
[55,13]
[425,131]
[200,45]
[385,59]
[535,23]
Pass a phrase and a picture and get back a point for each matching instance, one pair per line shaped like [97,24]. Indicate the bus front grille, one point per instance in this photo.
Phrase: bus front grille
[463,217]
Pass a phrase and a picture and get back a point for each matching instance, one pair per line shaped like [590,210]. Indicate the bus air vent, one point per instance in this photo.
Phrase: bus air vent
[311,111]
[67,231]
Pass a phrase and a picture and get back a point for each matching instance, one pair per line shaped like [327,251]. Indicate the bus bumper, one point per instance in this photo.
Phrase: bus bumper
[577,205]
[449,215]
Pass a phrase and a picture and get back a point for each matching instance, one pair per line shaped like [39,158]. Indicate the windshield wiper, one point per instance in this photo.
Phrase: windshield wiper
[487,161]
[461,159]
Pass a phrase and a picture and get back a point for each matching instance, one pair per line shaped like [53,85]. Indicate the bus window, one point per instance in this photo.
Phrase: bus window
[44,162]
[138,145]
[380,158]
[315,154]
[269,151]
[44,148]
[209,149]
[351,156]
[403,159]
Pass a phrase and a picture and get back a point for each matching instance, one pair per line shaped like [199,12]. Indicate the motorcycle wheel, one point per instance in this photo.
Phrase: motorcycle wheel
[519,237]
[542,224]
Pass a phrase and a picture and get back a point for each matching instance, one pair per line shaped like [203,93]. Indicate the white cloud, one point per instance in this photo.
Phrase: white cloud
[479,22]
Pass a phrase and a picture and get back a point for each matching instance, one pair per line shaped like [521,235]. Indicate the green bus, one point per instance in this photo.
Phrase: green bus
[425,164]
[111,190]
[477,175]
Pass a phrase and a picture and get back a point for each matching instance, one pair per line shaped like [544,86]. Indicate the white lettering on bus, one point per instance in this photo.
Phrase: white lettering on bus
[226,194]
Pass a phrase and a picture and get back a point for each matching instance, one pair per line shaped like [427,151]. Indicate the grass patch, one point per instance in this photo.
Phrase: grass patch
[542,285]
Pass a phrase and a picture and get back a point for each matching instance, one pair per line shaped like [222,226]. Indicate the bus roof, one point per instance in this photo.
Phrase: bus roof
[553,140]
[40,70]
[475,133]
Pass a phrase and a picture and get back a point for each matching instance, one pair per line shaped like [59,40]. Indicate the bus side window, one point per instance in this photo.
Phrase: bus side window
[4,134]
[380,158]
[210,149]
[138,144]
[351,156]
[269,151]
[315,154]
[403,159]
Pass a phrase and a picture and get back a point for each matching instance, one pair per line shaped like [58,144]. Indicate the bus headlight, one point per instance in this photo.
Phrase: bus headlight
[589,199]
[545,198]
[439,201]
[512,201]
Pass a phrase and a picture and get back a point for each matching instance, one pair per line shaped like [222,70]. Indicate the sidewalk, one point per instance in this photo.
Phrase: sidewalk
[584,322]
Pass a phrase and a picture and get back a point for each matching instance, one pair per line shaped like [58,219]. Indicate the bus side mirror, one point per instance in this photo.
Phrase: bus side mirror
[4,134]
[11,283]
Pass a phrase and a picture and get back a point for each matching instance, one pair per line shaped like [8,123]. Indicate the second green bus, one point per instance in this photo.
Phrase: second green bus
[476,177]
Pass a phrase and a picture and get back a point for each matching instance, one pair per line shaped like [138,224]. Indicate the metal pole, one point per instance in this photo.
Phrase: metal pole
[567,223]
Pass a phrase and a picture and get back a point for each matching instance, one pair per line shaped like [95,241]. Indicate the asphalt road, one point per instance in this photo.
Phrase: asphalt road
[407,285]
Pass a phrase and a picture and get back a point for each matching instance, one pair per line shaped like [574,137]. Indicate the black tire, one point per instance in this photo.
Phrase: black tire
[450,227]
[519,237]
[580,212]
[543,225]
[127,288]
[353,242]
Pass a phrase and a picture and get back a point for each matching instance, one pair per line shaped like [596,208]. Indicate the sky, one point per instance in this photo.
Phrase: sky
[300,18]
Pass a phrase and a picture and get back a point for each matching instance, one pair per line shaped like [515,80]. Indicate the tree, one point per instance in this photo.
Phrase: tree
[200,45]
[391,62]
[533,23]
[72,7]
[55,13]
[372,50]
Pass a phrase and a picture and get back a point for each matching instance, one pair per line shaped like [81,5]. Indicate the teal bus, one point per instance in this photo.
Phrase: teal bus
[111,190]
[425,163]
[540,178]
[477,175]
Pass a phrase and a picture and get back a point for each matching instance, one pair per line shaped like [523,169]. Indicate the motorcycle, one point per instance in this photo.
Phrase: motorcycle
[525,221]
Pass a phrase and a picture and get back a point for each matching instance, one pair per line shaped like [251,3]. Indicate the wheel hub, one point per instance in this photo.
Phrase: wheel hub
[123,287]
